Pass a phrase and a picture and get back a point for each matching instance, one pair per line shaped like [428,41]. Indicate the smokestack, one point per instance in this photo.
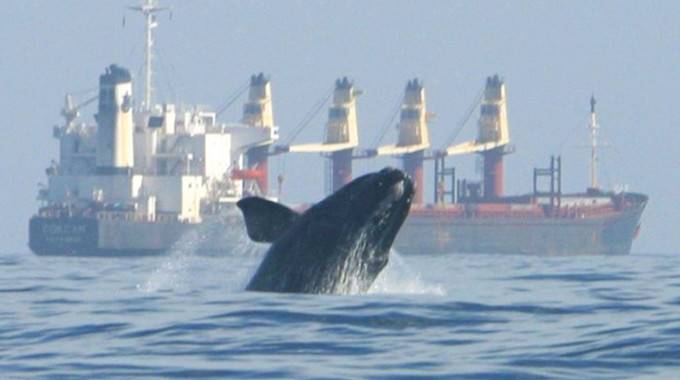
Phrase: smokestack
[257,112]
[115,151]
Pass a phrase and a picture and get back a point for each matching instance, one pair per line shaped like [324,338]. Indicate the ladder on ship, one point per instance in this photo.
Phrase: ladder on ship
[554,175]
[441,173]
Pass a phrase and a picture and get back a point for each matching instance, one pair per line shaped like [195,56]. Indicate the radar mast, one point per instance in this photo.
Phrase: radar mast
[594,132]
[149,8]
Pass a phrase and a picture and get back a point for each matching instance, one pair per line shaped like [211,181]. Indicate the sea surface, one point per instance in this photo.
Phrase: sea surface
[454,316]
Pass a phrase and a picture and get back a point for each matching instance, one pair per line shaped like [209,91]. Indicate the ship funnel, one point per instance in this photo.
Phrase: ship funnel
[414,136]
[258,111]
[115,151]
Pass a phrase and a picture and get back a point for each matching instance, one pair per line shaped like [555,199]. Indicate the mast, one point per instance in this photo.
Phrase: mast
[594,130]
[148,9]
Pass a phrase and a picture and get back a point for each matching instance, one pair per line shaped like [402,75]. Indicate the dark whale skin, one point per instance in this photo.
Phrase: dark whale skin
[339,245]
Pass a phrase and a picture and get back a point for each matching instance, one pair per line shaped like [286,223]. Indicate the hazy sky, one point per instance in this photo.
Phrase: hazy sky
[553,55]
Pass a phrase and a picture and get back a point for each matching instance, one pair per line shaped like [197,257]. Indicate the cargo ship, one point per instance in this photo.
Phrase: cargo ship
[148,176]
[475,216]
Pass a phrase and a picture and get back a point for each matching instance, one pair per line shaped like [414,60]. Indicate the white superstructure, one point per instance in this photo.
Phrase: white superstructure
[155,162]
[166,162]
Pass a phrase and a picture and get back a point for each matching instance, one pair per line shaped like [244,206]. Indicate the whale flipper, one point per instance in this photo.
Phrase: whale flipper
[265,220]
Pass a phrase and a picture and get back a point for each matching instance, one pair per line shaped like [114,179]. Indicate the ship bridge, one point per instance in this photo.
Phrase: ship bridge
[162,161]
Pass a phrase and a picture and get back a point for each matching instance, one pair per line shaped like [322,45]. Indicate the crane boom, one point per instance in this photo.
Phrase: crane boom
[70,112]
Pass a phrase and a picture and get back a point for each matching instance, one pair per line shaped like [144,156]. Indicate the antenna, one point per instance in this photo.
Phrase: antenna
[148,9]
[594,131]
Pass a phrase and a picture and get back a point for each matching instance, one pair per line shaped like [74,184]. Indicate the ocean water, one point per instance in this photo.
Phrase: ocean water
[456,316]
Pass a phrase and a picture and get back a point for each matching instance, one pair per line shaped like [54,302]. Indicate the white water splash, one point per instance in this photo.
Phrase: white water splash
[177,270]
[398,278]
[171,274]
[351,272]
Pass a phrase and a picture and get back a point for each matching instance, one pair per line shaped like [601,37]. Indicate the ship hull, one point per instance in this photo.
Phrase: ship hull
[601,235]
[73,236]
[423,233]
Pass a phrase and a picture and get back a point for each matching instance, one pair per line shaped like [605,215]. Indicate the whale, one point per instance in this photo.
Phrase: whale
[338,245]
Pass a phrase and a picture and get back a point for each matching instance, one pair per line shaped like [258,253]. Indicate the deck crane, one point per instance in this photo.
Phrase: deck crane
[341,136]
[71,111]
[493,137]
[414,137]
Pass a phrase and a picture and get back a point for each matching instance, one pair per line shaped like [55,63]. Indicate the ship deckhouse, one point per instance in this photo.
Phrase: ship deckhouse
[168,163]
[148,161]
